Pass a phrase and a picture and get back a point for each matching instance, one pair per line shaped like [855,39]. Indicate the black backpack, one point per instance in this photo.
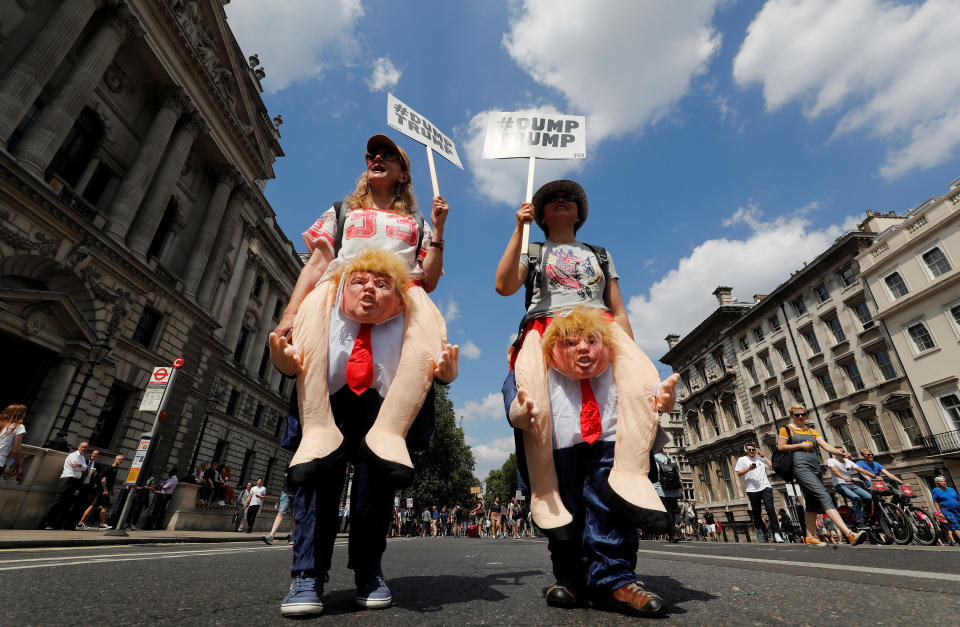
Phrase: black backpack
[669,475]
[534,250]
[342,218]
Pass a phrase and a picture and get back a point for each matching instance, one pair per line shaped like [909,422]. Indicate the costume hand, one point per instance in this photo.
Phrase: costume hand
[285,356]
[668,394]
[525,214]
[438,216]
[524,413]
[447,364]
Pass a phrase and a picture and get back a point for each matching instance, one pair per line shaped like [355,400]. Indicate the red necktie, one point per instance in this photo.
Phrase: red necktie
[589,413]
[360,366]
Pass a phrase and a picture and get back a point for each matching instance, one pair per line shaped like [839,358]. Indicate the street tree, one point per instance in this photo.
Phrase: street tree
[502,481]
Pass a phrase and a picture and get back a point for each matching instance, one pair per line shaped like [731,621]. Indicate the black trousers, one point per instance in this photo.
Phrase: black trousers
[61,503]
[766,497]
[252,516]
[155,521]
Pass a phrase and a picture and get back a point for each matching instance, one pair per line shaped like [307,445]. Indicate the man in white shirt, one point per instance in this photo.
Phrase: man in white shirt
[254,501]
[73,468]
[753,468]
[842,473]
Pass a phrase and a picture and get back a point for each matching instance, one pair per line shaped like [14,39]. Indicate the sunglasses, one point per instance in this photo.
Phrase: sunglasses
[568,196]
[801,415]
[386,154]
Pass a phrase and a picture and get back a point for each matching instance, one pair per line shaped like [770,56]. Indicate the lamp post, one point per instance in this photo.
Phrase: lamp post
[98,351]
[211,405]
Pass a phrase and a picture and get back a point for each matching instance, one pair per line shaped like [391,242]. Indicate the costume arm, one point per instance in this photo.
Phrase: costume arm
[613,301]
[311,273]
[510,272]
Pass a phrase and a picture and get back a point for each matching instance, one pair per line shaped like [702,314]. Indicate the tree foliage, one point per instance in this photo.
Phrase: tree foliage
[502,482]
[443,474]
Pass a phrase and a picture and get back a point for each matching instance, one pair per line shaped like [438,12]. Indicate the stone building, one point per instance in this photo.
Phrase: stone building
[134,230]
[911,270]
[813,341]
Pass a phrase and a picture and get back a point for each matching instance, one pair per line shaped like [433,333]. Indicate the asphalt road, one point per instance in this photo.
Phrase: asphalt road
[479,581]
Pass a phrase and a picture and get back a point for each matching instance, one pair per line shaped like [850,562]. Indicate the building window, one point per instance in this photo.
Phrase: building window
[712,417]
[785,356]
[102,176]
[685,377]
[951,408]
[734,414]
[837,329]
[708,484]
[722,363]
[936,262]
[811,338]
[278,427]
[921,337]
[882,359]
[826,382]
[853,373]
[702,373]
[278,309]
[695,425]
[258,416]
[219,450]
[744,345]
[765,359]
[895,285]
[241,345]
[799,307]
[876,433]
[109,418]
[847,274]
[774,321]
[863,315]
[77,148]
[762,408]
[264,363]
[909,423]
[796,395]
[270,464]
[753,371]
[233,402]
[778,401]
[725,473]
[758,333]
[247,467]
[820,289]
[257,286]
[146,326]
[843,434]
[163,230]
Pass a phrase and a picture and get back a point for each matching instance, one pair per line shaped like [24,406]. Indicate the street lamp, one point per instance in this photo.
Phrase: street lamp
[209,409]
[98,351]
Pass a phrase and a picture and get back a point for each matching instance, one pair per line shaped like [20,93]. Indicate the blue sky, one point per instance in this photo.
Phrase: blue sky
[728,142]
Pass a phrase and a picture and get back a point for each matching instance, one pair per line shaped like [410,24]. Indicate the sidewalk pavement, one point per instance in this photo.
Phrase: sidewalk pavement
[33,538]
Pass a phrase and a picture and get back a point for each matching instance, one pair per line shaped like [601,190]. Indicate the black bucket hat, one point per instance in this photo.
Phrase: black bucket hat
[551,188]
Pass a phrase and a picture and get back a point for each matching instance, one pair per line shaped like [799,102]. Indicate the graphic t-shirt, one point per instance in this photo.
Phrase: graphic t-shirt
[570,275]
[370,228]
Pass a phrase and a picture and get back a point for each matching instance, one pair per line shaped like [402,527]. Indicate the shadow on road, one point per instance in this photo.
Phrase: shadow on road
[433,593]
[673,592]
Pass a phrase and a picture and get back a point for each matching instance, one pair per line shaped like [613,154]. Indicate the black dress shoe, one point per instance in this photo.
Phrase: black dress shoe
[560,596]
[633,600]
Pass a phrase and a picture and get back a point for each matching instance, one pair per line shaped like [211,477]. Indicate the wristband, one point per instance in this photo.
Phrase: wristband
[437,244]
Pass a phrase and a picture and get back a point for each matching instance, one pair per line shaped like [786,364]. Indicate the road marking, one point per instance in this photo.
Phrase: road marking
[915,574]
[18,564]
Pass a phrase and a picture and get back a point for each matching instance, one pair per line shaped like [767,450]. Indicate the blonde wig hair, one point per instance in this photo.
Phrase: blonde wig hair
[13,416]
[378,261]
[579,321]
[404,202]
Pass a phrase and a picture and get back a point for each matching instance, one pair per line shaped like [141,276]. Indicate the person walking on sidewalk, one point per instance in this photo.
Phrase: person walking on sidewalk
[753,467]
[283,508]
[104,492]
[254,501]
[73,468]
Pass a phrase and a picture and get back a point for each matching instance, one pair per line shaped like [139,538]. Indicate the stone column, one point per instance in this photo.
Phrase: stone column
[239,264]
[229,226]
[239,306]
[151,212]
[26,79]
[125,203]
[48,131]
[43,415]
[227,179]
[259,339]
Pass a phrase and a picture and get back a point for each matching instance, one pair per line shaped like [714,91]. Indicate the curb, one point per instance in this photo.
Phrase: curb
[119,540]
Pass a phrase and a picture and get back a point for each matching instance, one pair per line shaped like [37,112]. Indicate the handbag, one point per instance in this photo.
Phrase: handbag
[783,460]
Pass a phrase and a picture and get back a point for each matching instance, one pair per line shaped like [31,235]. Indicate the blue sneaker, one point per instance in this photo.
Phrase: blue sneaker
[303,598]
[372,591]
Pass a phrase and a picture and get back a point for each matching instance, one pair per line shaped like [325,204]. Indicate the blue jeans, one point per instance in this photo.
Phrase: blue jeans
[857,495]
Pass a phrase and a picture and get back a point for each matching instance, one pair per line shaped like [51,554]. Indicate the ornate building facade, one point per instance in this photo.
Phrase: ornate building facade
[134,148]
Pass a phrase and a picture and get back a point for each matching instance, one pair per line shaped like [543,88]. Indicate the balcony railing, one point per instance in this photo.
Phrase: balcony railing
[941,443]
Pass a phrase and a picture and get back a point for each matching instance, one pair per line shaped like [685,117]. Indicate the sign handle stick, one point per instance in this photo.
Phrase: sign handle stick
[525,246]
[433,172]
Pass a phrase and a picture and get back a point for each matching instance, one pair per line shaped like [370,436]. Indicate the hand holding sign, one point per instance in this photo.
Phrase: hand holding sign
[418,128]
[534,134]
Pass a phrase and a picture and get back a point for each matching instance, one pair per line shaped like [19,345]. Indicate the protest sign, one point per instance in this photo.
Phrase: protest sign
[534,134]
[418,128]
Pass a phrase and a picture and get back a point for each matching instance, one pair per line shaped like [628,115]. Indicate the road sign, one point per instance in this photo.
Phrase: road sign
[178,362]
[409,502]
[156,387]
[476,490]
[137,464]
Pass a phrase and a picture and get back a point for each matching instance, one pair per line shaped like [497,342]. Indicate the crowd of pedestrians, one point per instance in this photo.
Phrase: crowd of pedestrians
[496,521]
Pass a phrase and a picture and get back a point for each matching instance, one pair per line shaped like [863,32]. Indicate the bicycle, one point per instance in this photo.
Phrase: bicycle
[925,528]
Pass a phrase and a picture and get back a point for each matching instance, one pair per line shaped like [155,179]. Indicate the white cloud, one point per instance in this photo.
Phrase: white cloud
[624,65]
[470,350]
[491,406]
[682,298]
[490,455]
[881,65]
[451,310]
[384,76]
[296,40]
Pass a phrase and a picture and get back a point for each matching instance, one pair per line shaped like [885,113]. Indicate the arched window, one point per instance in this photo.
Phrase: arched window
[78,148]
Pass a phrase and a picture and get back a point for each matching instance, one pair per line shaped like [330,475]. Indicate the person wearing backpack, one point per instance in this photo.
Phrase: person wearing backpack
[669,488]
[381,213]
[559,274]
[753,467]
